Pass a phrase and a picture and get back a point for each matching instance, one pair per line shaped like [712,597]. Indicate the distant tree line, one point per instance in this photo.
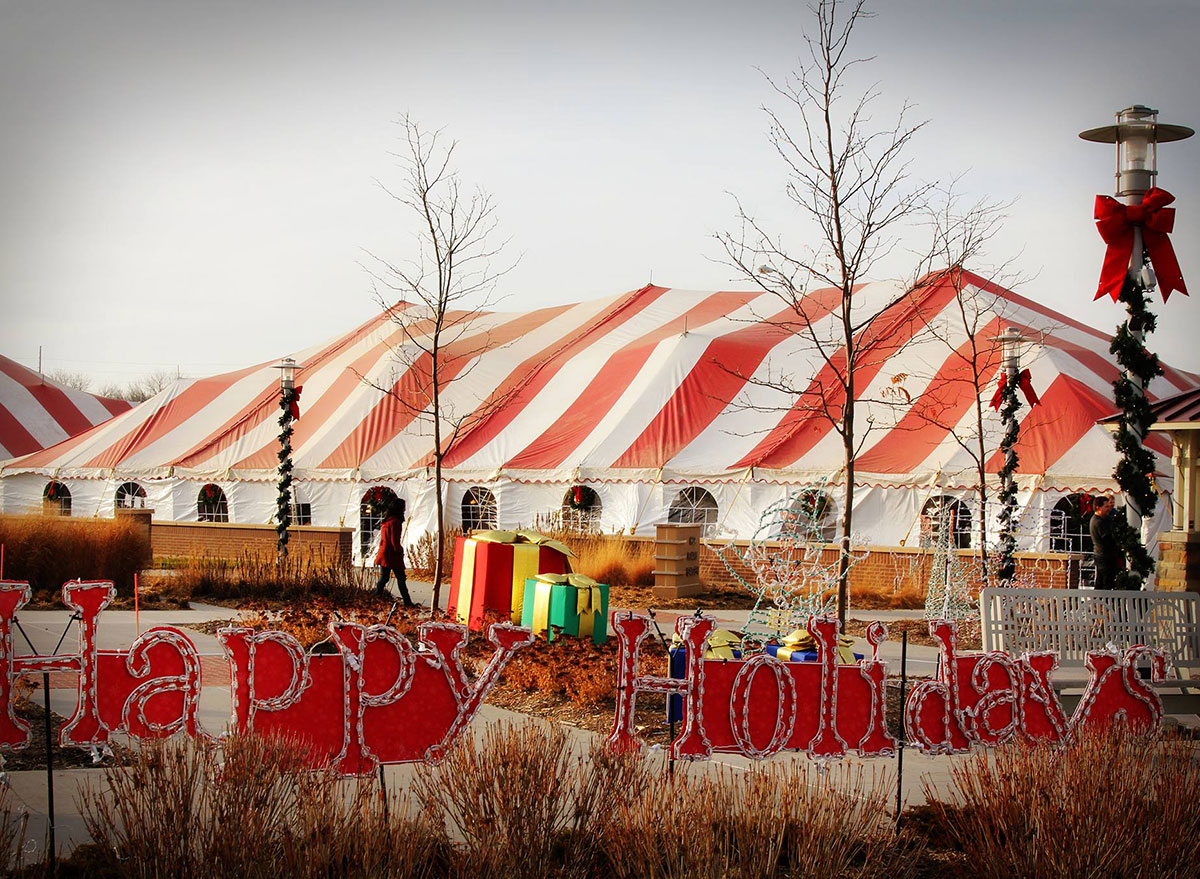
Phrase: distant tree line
[135,391]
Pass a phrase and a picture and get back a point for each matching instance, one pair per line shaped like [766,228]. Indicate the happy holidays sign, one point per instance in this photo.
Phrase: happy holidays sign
[380,699]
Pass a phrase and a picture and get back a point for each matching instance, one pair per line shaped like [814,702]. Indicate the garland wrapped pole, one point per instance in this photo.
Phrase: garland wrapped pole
[1138,258]
[1005,399]
[289,406]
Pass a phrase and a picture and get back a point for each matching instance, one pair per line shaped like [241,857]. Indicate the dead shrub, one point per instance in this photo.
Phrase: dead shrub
[419,558]
[777,819]
[1108,803]
[248,808]
[13,823]
[47,551]
[524,803]
[262,576]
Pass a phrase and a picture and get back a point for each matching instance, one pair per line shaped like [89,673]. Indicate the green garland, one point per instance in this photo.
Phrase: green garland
[283,510]
[1134,470]
[1006,566]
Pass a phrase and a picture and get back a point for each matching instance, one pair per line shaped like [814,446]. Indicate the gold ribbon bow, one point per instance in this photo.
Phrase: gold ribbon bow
[589,600]
[721,644]
[800,641]
[523,536]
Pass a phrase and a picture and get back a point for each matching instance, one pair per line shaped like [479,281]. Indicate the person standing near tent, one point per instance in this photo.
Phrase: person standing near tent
[1108,555]
[390,557]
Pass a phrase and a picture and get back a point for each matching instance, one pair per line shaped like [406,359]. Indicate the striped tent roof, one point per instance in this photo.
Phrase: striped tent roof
[36,412]
[656,384]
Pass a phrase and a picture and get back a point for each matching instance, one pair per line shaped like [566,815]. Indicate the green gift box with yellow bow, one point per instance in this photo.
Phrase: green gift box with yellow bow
[569,604]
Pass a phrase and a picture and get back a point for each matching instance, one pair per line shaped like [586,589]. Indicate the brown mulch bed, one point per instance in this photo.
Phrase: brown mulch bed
[717,596]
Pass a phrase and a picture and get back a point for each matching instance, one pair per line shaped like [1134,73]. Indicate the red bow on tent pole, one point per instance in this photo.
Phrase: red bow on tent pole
[1024,381]
[295,404]
[1116,221]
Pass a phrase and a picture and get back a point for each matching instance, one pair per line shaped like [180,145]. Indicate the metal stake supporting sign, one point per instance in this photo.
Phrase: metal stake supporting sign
[900,737]
[51,844]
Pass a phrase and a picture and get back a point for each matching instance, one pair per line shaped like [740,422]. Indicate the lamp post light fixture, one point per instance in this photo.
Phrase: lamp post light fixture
[288,396]
[1010,351]
[1137,134]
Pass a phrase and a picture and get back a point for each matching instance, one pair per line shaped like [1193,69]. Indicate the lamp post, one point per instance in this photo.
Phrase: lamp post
[1009,404]
[289,396]
[1134,230]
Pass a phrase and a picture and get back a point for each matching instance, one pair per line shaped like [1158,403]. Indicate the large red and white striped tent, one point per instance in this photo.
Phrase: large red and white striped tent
[637,397]
[36,412]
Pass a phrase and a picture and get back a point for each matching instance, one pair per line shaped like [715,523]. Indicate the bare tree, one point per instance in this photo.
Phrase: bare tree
[141,389]
[445,282]
[77,381]
[970,337]
[851,180]
[147,386]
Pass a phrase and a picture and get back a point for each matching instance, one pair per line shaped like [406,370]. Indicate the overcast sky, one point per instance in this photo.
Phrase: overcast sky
[194,184]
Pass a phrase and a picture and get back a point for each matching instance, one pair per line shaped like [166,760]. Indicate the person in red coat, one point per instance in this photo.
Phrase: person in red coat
[390,557]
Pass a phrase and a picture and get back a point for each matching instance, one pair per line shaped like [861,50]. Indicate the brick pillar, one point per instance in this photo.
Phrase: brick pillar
[1178,561]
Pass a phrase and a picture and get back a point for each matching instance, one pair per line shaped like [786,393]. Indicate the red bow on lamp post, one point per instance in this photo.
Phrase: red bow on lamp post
[1024,381]
[295,403]
[1116,222]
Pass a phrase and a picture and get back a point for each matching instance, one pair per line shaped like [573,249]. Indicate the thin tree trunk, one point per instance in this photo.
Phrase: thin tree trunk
[441,536]
[437,479]
[848,449]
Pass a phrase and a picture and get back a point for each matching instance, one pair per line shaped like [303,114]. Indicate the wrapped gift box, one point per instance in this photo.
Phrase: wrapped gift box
[572,604]
[800,647]
[490,570]
[722,644]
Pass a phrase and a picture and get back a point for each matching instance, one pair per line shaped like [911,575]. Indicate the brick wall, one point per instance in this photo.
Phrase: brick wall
[229,540]
[889,567]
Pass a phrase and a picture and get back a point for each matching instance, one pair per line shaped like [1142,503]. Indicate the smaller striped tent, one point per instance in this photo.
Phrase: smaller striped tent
[36,413]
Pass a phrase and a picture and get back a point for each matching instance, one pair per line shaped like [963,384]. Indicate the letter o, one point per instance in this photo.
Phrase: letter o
[785,713]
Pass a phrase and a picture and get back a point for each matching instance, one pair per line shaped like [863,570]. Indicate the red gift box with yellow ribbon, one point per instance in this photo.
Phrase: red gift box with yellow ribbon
[490,570]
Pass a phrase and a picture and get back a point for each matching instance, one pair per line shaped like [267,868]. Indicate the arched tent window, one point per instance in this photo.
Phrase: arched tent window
[371,512]
[945,512]
[211,505]
[56,499]
[130,496]
[809,516]
[581,508]
[478,510]
[694,506]
[301,510]
[1069,524]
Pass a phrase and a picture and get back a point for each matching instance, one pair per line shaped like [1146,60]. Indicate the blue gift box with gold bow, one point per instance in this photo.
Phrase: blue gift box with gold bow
[799,646]
[721,644]
[568,604]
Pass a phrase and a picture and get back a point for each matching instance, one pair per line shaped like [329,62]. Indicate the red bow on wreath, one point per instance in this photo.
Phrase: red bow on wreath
[1026,385]
[1115,222]
[1086,504]
[295,406]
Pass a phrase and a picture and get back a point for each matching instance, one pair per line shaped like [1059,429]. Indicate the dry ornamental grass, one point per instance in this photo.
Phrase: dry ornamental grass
[47,551]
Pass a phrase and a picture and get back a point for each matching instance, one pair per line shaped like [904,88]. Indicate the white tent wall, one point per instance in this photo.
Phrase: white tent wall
[884,515]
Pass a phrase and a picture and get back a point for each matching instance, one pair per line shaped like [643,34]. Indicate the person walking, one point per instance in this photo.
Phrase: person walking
[1109,557]
[390,557]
